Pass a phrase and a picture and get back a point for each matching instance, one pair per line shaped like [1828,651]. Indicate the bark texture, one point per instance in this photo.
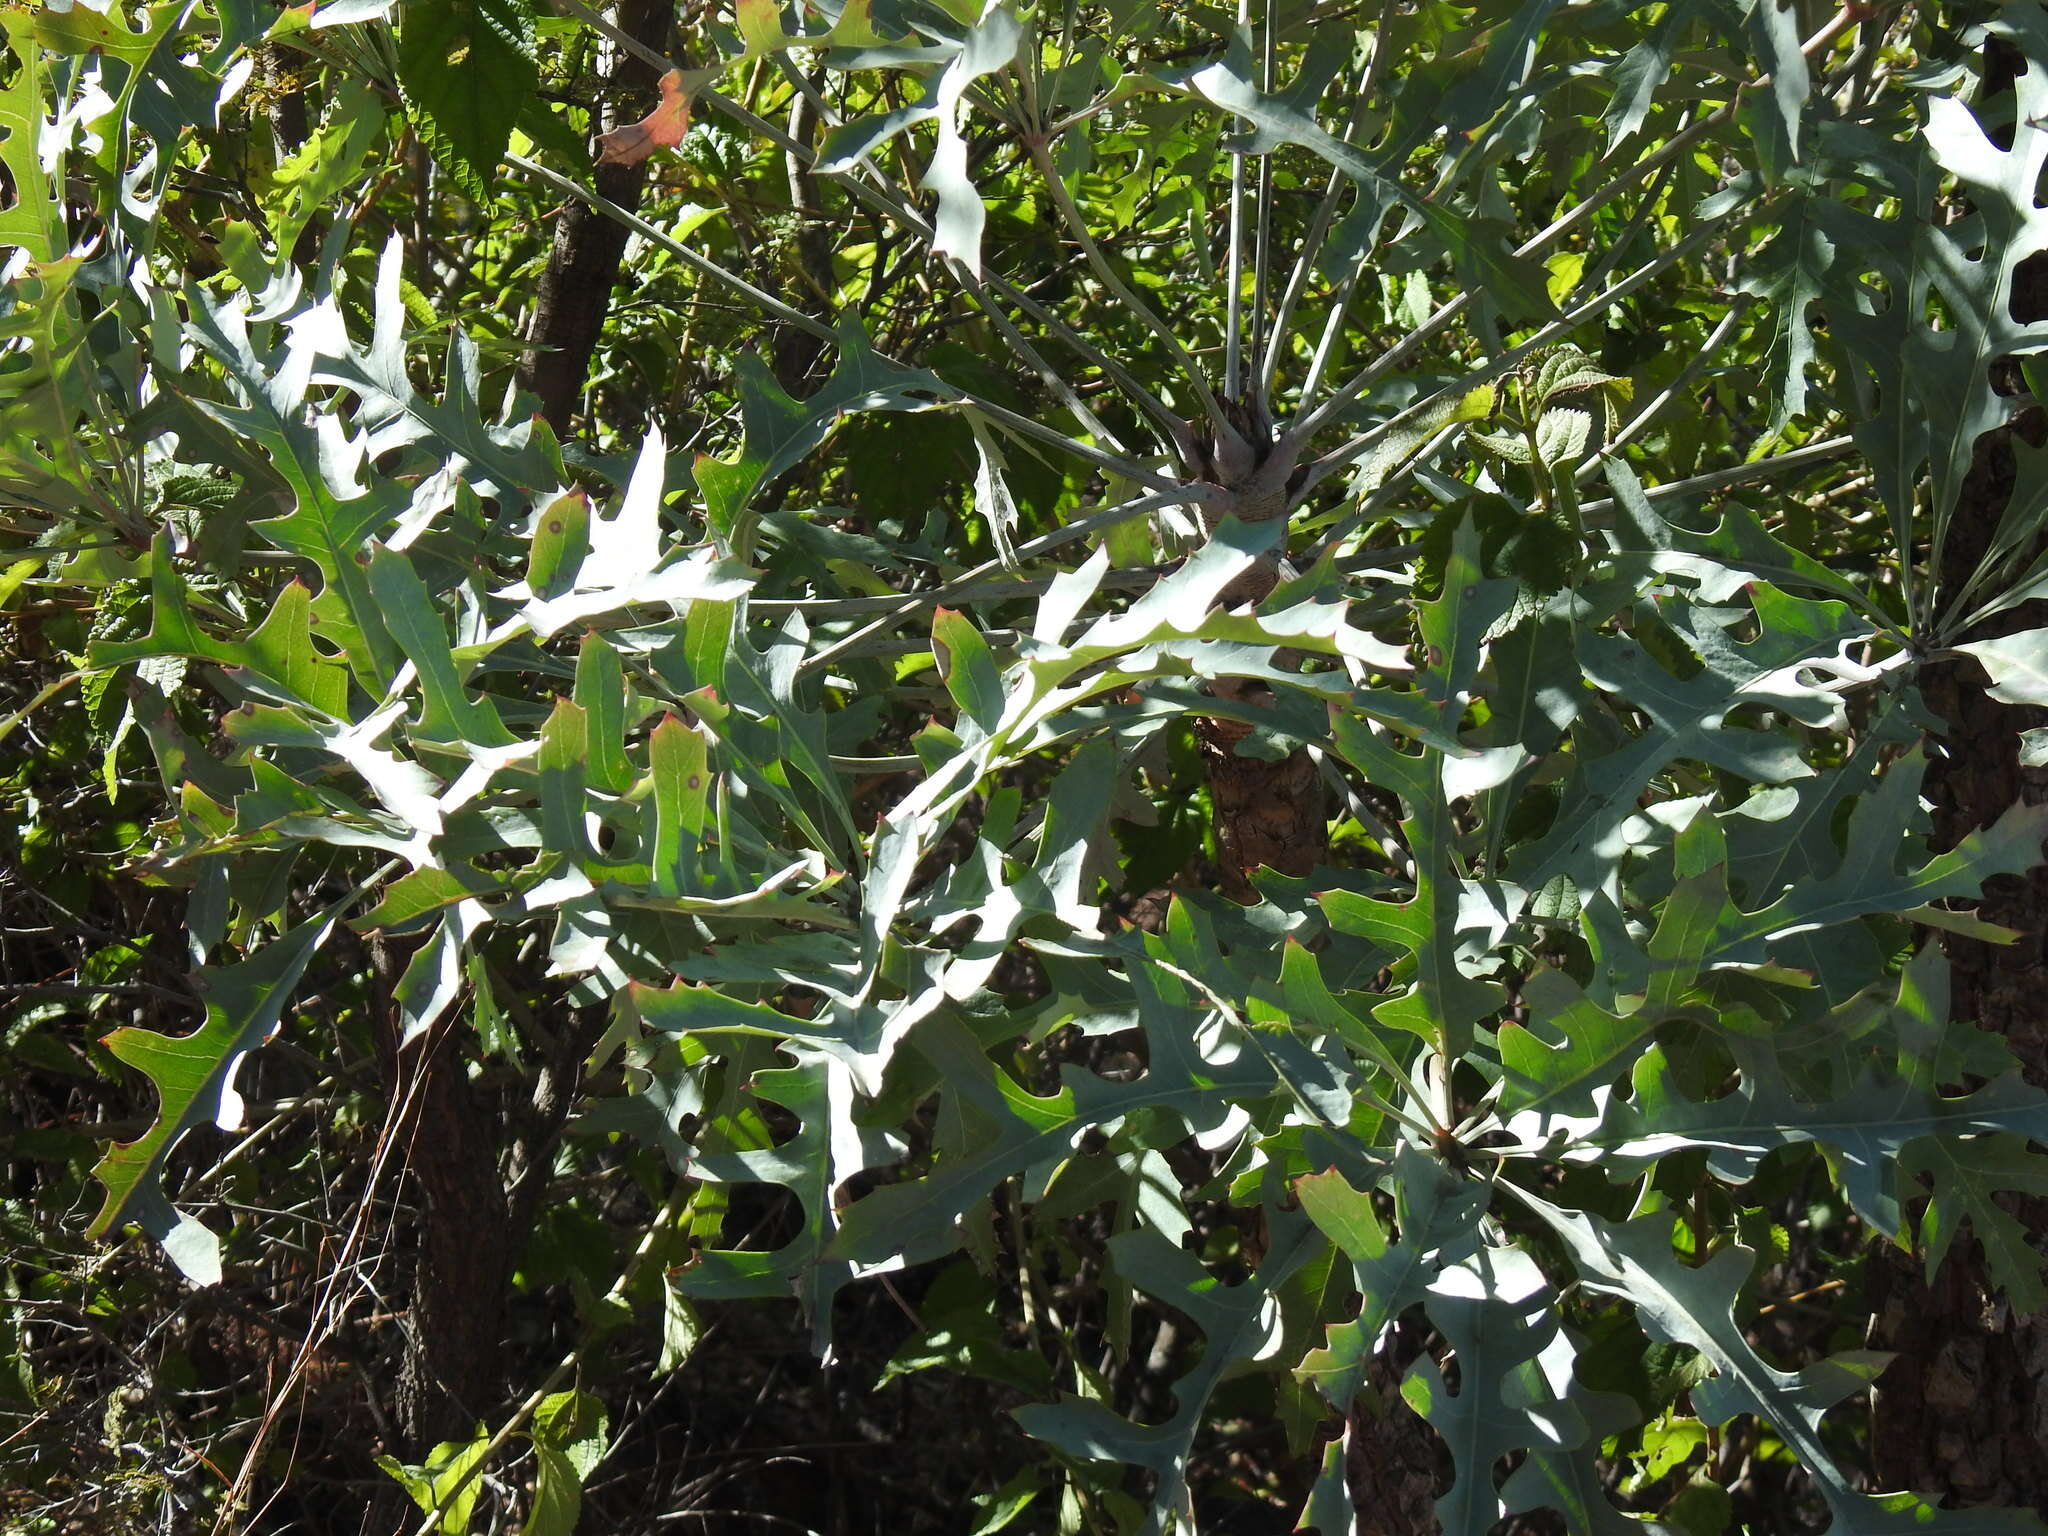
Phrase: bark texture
[479,1168]
[1962,1413]
[794,352]
[1267,813]
[454,1365]
[576,288]
[1392,1458]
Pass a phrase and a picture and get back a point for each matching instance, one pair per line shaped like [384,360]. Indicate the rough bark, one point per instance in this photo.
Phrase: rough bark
[1267,813]
[1962,1413]
[479,1171]
[576,288]
[285,103]
[1393,1461]
[285,107]
[794,352]
[453,1375]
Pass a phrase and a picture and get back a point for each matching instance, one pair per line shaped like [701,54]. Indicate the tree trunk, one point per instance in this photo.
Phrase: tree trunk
[454,1364]
[796,352]
[576,289]
[1962,1413]
[481,1169]
[1272,814]
[1393,1460]
[451,1372]
[1268,814]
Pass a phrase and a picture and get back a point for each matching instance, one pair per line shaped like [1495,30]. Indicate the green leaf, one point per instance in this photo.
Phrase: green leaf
[517,456]
[2018,664]
[194,1080]
[1772,119]
[1475,243]
[434,976]
[560,544]
[332,516]
[1571,1482]
[601,694]
[964,1332]
[1344,1214]
[1867,1128]
[32,221]
[1500,1318]
[1935,394]
[990,45]
[320,171]
[465,68]
[1866,880]
[1004,1129]
[681,1329]
[1438,1216]
[1695,1306]
[968,668]
[1569,1049]
[1239,1326]
[760,26]
[449,714]
[434,1486]
[1561,436]
[1689,716]
[817,1092]
[997,1510]
[623,562]
[680,768]
[1641,72]
[1791,272]
[781,431]
[557,1494]
[576,1425]
[1965,1176]
[280,651]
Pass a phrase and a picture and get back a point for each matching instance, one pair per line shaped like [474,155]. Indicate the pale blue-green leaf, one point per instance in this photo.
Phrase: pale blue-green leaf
[1240,1327]
[991,45]
[1499,1314]
[2017,663]
[194,1078]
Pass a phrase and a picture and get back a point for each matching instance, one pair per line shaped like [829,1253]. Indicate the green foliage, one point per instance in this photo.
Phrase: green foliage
[442,1486]
[467,68]
[817,758]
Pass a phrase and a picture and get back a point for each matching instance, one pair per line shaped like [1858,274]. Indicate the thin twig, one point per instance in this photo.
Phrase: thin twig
[1693,367]
[1506,362]
[882,199]
[1740,474]
[1066,533]
[1562,225]
[1077,226]
[1021,424]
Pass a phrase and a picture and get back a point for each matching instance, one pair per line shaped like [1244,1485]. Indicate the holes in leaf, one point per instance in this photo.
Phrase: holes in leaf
[1935,310]
[2029,297]
[1877,288]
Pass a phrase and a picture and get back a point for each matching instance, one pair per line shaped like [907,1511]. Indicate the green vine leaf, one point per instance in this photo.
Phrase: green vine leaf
[465,67]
